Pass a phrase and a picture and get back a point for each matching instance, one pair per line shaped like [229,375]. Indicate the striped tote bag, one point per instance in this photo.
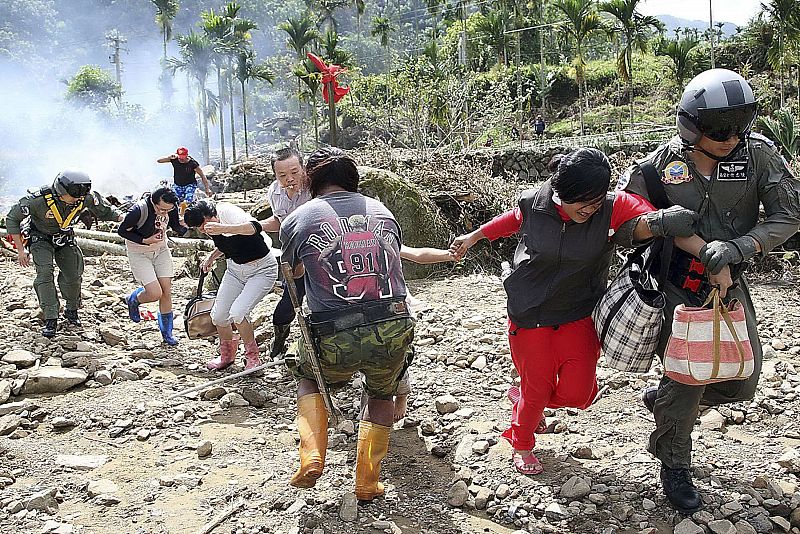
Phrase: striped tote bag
[709,345]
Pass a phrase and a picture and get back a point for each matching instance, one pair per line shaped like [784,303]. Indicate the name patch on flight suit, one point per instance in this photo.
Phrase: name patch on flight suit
[676,172]
[732,171]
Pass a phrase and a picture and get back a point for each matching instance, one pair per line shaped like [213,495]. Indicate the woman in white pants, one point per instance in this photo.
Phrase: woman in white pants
[251,273]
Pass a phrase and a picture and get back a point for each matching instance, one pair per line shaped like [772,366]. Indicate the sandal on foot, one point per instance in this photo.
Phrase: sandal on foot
[541,428]
[526,462]
[513,395]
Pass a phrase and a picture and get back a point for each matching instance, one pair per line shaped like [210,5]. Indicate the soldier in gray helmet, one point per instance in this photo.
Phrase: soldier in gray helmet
[717,167]
[41,224]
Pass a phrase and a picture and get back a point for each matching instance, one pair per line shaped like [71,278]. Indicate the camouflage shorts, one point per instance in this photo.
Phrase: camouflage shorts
[381,351]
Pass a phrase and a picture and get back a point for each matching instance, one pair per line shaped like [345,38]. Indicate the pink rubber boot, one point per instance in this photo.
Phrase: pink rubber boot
[251,355]
[227,354]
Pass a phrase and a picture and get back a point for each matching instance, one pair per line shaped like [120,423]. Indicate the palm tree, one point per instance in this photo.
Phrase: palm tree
[541,10]
[301,33]
[247,69]
[435,10]
[582,22]
[633,27]
[361,8]
[334,54]
[326,9]
[196,59]
[217,28]
[237,41]
[166,11]
[678,51]
[490,29]
[785,18]
[382,29]
[308,74]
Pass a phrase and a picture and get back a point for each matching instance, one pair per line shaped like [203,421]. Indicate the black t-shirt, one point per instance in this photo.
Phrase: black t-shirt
[242,248]
[184,171]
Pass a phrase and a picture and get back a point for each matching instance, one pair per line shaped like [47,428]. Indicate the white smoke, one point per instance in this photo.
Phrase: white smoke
[41,133]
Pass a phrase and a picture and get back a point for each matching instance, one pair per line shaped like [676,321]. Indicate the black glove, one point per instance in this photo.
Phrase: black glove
[674,221]
[718,254]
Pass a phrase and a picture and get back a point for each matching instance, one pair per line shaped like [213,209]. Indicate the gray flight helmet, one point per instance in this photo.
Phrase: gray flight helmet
[716,102]
[73,182]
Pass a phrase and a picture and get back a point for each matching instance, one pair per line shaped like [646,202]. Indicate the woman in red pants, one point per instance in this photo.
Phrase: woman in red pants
[568,228]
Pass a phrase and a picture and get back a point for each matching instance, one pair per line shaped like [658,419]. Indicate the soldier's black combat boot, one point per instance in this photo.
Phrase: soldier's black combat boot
[72,317]
[49,328]
[279,338]
[680,490]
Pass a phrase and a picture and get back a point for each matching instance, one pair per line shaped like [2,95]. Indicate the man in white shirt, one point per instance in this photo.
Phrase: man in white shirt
[288,192]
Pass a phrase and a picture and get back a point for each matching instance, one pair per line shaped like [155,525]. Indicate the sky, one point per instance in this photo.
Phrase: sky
[735,11]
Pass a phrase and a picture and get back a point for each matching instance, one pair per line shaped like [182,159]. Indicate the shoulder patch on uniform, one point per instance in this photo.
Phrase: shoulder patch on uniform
[760,137]
[676,172]
[623,181]
[36,193]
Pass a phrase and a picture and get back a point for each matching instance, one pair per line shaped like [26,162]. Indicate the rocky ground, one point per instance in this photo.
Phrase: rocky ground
[92,442]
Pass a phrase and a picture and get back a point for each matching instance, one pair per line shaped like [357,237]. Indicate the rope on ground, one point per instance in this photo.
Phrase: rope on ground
[221,518]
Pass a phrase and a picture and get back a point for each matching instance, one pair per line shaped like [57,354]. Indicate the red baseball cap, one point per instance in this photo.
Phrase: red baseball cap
[182,151]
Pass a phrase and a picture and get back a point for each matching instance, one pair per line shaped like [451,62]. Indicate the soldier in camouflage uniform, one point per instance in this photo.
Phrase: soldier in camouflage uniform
[349,245]
[718,168]
[42,222]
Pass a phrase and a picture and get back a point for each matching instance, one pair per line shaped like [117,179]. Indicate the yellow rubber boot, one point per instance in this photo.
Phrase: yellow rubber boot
[312,424]
[373,444]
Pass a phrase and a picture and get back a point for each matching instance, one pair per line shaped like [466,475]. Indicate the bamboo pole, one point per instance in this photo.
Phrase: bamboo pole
[261,367]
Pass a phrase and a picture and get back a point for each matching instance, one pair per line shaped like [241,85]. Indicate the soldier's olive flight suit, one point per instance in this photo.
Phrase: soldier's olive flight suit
[728,204]
[50,239]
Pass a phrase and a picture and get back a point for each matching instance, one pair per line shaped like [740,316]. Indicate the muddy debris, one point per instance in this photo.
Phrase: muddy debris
[111,453]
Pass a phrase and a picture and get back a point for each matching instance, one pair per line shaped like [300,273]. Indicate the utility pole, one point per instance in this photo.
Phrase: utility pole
[539,27]
[115,42]
[711,32]
[519,88]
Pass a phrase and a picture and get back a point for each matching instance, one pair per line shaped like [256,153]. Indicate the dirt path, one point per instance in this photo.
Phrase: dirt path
[160,485]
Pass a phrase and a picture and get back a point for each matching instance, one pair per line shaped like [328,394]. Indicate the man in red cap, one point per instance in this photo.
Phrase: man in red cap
[184,170]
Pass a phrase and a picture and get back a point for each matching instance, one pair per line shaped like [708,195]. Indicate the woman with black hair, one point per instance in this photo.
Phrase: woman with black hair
[568,228]
[251,273]
[145,231]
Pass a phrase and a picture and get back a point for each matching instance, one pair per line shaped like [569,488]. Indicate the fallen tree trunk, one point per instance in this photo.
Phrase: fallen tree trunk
[100,236]
[107,243]
[100,247]
[178,243]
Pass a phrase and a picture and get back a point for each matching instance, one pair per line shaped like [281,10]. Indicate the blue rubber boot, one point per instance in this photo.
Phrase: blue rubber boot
[165,325]
[133,305]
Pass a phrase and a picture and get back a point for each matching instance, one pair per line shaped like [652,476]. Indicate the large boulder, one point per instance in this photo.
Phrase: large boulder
[418,216]
[254,173]
[53,380]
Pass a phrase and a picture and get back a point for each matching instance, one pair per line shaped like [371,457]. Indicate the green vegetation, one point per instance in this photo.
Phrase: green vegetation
[93,87]
[426,74]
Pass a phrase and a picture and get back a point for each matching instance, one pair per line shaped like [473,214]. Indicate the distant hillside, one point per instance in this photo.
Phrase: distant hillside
[674,22]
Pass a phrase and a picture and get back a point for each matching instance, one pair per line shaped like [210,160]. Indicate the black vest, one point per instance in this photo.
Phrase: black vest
[560,267]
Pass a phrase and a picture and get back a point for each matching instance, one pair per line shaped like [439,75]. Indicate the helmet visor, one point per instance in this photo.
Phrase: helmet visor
[78,190]
[722,124]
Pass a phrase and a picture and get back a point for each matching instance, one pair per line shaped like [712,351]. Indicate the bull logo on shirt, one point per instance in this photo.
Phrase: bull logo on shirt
[358,260]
